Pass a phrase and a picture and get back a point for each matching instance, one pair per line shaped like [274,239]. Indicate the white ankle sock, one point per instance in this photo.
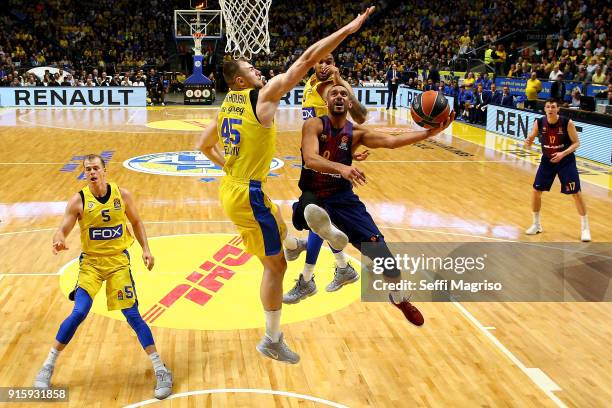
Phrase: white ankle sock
[396,295]
[536,218]
[340,259]
[52,357]
[584,222]
[290,242]
[273,324]
[307,272]
[157,363]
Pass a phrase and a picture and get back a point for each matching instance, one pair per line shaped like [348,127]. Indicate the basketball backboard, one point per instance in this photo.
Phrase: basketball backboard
[207,22]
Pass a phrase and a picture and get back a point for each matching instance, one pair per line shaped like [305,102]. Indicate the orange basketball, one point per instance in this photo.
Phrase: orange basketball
[430,109]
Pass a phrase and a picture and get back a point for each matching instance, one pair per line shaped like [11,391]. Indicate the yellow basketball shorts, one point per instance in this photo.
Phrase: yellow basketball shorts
[257,218]
[115,271]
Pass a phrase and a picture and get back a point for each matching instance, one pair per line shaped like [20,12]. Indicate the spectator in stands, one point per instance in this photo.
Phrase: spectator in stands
[430,85]
[598,77]
[533,88]
[475,108]
[116,81]
[55,80]
[557,89]
[469,81]
[433,74]
[575,102]
[67,81]
[31,81]
[500,60]
[554,73]
[466,99]
[507,98]
[495,96]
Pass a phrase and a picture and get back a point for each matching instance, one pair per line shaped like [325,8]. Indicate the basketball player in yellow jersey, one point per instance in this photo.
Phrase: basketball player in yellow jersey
[326,74]
[102,210]
[246,129]
[314,104]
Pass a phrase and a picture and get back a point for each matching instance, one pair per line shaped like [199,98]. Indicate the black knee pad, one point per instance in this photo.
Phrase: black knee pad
[378,248]
[307,197]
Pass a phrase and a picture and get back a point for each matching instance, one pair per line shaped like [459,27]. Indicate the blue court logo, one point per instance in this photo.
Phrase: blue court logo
[189,164]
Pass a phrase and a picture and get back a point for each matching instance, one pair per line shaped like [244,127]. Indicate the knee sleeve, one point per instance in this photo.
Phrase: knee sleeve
[313,247]
[82,305]
[132,315]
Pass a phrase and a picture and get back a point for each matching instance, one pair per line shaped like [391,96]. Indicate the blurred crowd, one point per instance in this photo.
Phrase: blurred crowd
[572,40]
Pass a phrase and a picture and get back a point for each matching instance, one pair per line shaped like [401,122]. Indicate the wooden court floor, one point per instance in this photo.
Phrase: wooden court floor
[452,189]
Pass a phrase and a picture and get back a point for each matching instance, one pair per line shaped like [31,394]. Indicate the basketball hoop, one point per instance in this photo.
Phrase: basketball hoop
[246,24]
[197,39]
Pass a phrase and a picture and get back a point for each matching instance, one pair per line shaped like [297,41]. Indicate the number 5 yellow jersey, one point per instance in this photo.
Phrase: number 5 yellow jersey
[248,146]
[103,225]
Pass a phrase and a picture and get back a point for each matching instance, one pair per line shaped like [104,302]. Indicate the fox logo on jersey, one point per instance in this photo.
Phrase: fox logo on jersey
[105,233]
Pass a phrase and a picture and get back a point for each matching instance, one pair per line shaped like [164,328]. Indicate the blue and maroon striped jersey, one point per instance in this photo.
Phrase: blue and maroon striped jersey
[553,137]
[334,145]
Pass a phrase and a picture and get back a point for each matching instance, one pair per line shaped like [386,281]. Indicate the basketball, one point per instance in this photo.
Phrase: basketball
[430,109]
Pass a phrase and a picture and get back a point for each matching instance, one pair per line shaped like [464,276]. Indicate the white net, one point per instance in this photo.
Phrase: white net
[197,39]
[246,26]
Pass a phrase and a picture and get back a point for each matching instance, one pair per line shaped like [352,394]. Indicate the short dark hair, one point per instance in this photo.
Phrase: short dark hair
[552,100]
[90,157]
[231,69]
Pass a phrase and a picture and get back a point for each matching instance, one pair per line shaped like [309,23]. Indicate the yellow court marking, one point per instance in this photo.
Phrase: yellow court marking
[208,282]
[192,125]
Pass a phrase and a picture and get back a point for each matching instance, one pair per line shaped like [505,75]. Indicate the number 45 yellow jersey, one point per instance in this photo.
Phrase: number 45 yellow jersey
[248,146]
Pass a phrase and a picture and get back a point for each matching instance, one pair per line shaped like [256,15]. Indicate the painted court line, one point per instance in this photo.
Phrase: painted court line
[440,161]
[536,375]
[241,391]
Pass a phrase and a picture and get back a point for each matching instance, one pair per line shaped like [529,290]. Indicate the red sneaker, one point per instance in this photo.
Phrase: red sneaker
[410,312]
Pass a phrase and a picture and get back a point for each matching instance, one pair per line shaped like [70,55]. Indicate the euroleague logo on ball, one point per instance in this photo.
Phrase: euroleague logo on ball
[209,282]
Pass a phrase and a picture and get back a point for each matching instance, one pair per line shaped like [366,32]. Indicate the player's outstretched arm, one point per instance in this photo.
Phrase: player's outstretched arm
[311,130]
[278,86]
[209,143]
[138,227]
[73,210]
[374,139]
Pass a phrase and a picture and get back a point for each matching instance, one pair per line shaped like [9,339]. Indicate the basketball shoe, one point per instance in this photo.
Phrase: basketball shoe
[319,222]
[293,254]
[43,378]
[534,229]
[342,276]
[277,351]
[163,385]
[410,312]
[300,291]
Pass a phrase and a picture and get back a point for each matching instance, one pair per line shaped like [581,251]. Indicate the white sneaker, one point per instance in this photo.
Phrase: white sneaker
[43,378]
[319,223]
[585,236]
[534,229]
[163,384]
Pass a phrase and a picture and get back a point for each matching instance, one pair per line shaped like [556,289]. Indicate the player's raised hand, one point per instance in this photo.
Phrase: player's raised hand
[354,175]
[334,73]
[148,259]
[359,20]
[361,156]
